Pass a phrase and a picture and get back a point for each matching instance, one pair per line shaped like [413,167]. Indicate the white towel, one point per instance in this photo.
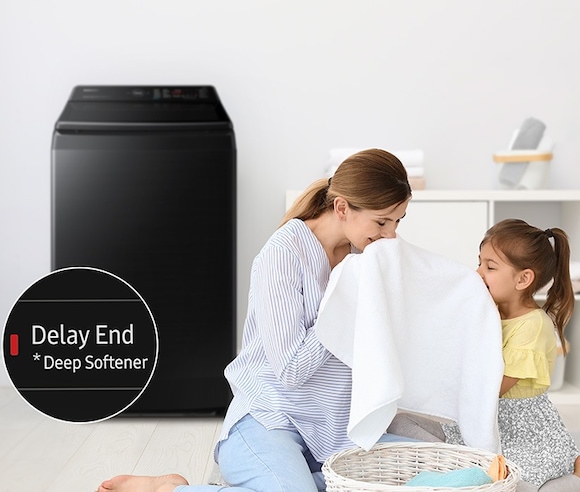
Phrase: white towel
[420,332]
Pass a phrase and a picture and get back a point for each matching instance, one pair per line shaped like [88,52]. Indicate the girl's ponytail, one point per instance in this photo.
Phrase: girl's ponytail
[560,300]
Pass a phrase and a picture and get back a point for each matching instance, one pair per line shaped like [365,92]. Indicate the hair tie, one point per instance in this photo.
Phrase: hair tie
[329,179]
[549,233]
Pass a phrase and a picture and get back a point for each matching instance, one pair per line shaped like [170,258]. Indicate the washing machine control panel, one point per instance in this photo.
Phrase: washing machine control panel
[144,93]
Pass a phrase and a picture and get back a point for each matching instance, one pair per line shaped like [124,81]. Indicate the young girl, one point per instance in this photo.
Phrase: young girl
[515,261]
[291,396]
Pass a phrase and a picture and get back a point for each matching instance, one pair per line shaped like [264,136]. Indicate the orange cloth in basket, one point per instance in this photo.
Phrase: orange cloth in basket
[498,468]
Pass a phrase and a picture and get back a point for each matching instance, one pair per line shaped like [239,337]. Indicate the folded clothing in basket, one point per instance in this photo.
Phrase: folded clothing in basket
[463,477]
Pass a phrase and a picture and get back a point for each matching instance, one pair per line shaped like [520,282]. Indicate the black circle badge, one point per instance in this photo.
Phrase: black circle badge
[80,345]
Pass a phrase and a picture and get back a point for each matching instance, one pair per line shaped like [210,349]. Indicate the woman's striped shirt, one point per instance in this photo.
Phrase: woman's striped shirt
[283,376]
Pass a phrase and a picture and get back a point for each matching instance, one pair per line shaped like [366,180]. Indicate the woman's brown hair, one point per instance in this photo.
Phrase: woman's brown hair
[372,179]
[547,254]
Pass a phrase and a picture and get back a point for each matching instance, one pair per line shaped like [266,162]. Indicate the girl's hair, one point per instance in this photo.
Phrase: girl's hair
[372,179]
[526,246]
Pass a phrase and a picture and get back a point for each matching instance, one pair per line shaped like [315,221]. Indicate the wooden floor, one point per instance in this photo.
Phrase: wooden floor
[39,454]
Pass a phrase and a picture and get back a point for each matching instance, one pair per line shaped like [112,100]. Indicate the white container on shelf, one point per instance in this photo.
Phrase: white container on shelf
[537,169]
[537,165]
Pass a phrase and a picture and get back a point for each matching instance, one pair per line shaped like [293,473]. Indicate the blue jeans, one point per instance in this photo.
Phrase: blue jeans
[254,459]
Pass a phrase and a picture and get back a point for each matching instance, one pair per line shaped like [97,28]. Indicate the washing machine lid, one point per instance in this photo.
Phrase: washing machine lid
[147,108]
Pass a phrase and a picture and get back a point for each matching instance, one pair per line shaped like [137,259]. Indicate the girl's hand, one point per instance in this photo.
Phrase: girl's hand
[507,383]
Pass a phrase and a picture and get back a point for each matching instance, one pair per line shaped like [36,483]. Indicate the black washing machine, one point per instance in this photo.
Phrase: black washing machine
[144,187]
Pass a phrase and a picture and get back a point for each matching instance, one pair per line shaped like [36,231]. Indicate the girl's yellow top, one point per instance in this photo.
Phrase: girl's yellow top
[529,353]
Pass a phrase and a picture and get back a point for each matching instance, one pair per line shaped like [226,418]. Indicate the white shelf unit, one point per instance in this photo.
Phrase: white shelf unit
[453,222]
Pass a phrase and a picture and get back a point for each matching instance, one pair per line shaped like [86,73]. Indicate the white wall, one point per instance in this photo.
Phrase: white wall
[453,78]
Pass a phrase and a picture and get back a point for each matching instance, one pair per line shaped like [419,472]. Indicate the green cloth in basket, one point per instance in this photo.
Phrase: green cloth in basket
[463,477]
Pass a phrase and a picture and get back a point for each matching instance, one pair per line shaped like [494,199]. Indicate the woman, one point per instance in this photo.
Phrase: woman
[291,396]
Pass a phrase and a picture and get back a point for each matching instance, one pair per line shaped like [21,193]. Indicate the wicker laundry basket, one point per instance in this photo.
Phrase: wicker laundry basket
[387,466]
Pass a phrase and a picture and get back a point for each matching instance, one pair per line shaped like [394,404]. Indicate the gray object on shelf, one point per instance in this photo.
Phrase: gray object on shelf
[528,137]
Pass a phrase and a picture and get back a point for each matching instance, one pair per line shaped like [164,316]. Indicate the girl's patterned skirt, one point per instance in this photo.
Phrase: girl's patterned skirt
[533,436]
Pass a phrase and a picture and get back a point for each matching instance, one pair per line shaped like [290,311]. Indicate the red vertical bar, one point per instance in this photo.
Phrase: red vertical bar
[14,345]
